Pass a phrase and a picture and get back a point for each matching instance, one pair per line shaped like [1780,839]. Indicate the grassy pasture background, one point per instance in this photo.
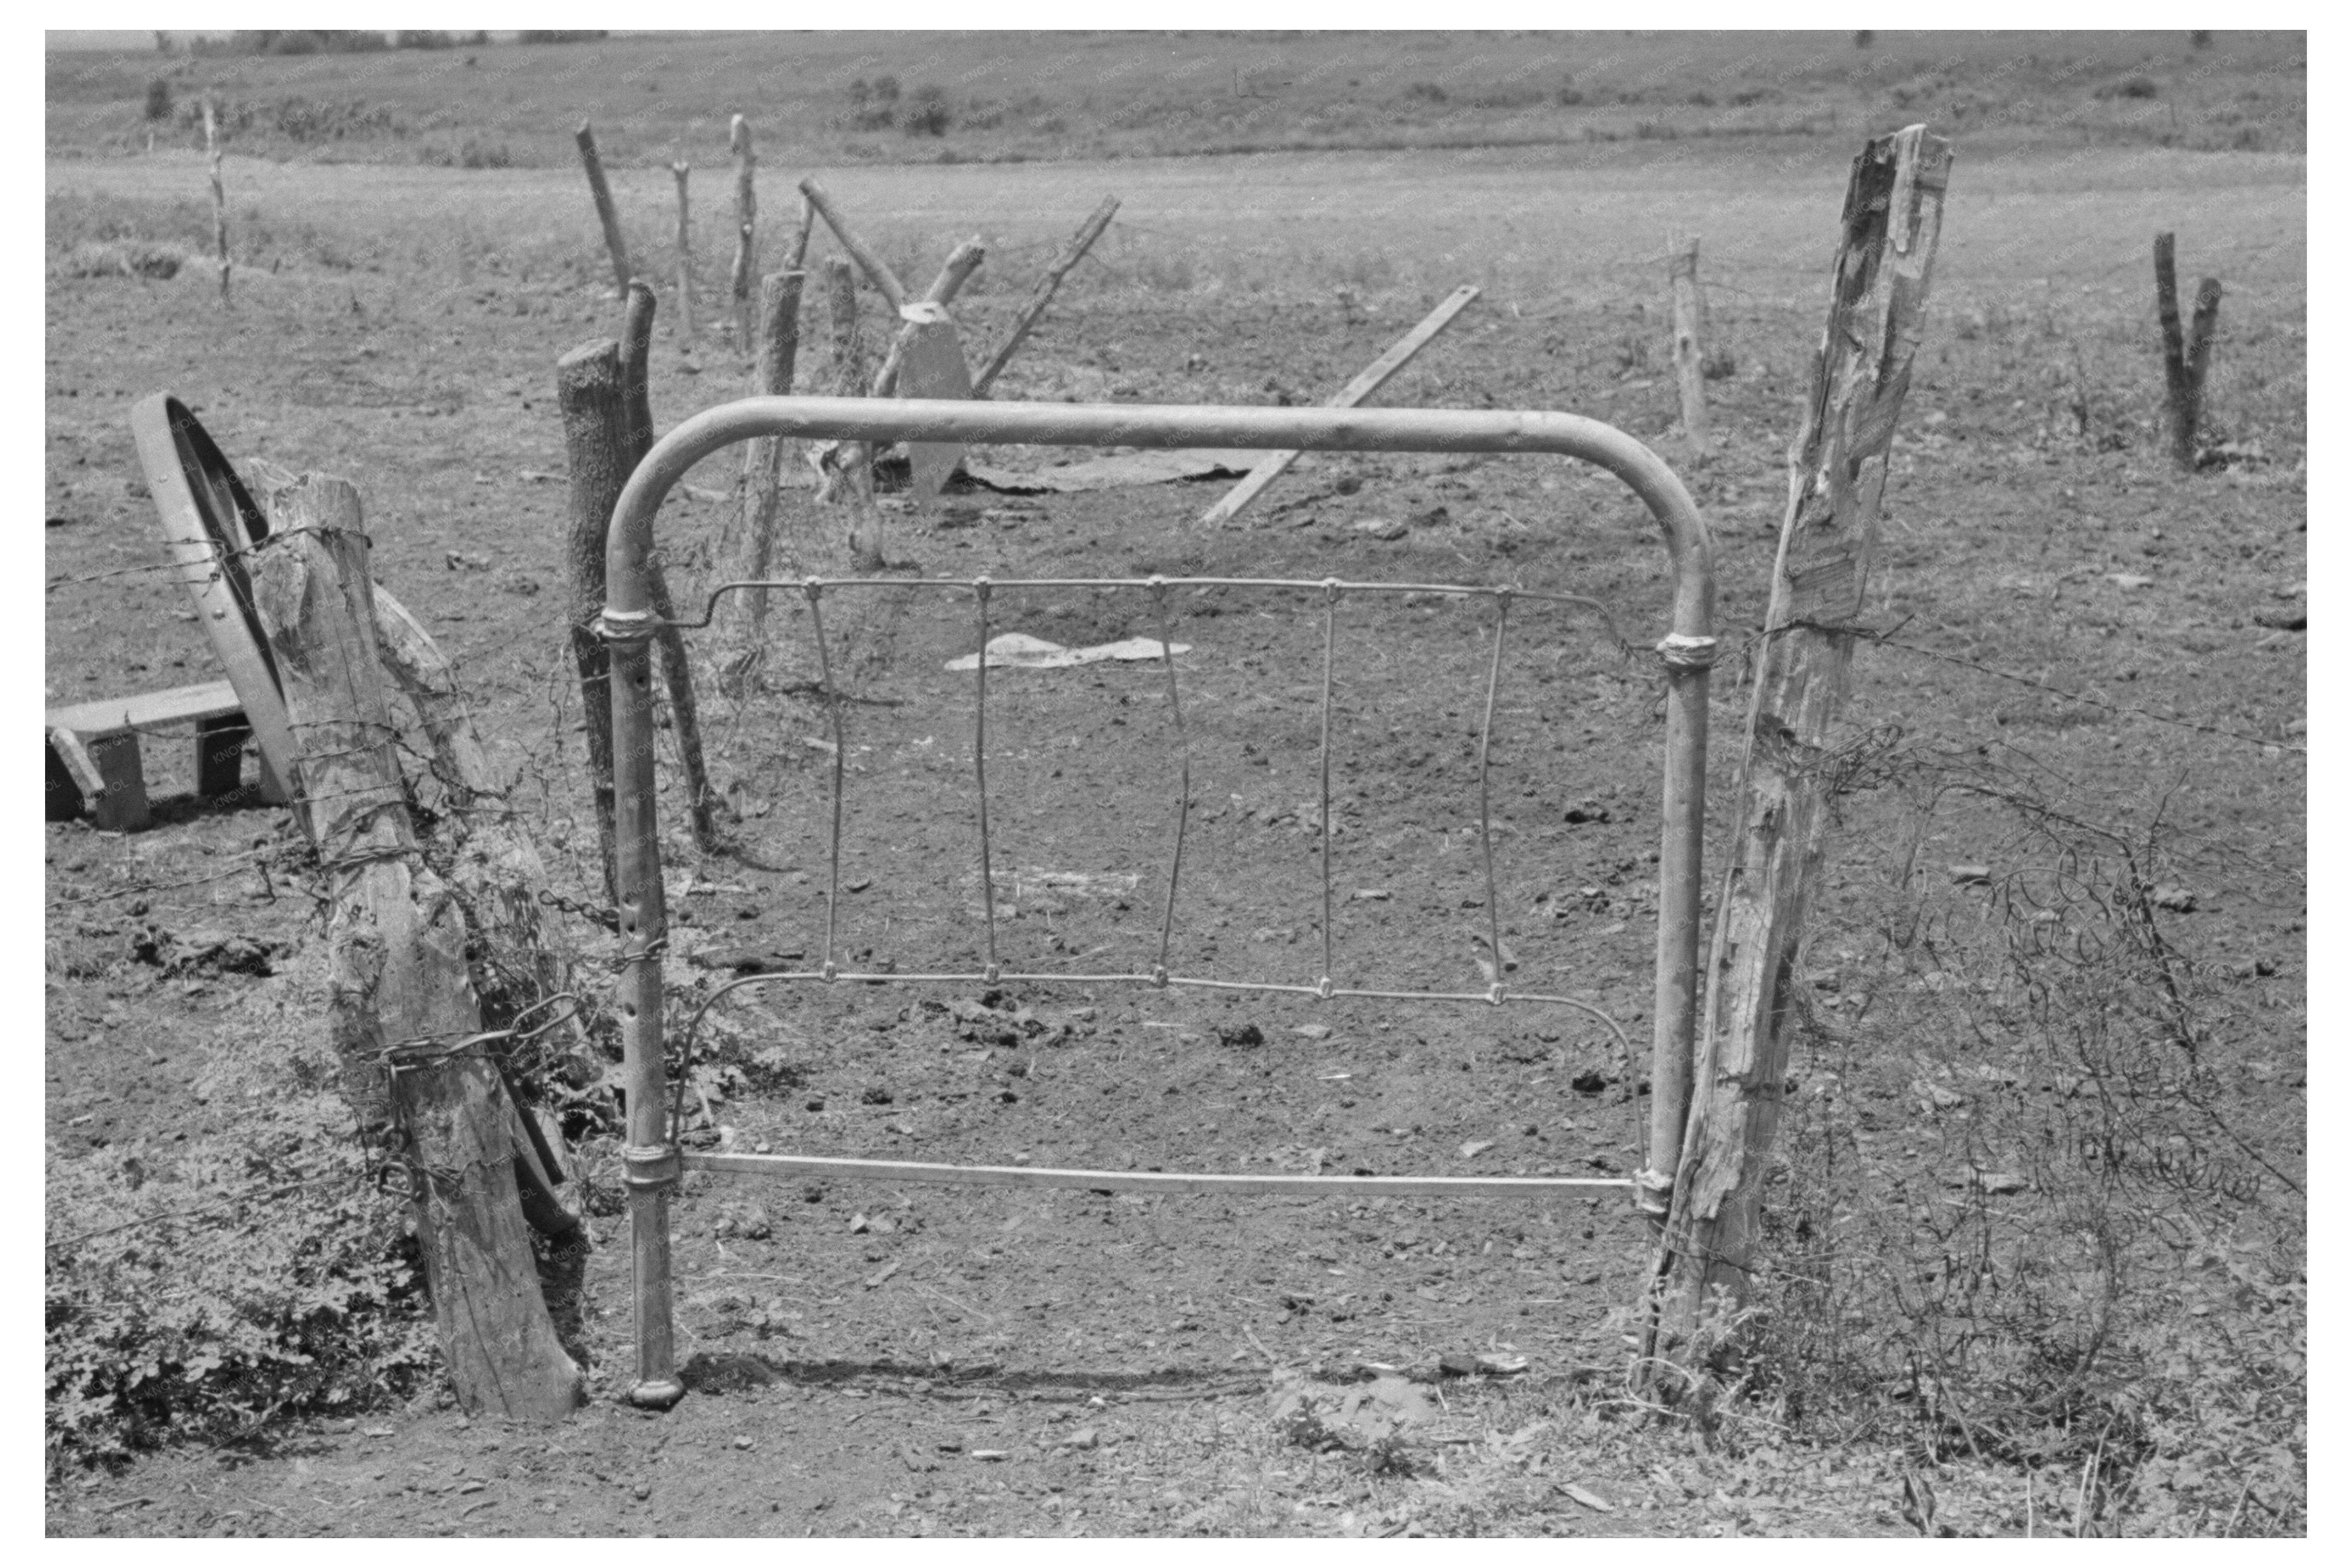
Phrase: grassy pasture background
[1073,95]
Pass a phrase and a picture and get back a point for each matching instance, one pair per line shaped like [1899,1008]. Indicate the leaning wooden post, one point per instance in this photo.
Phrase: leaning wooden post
[1894,208]
[1072,253]
[606,215]
[678,674]
[588,390]
[872,265]
[2184,366]
[738,141]
[747,550]
[1683,271]
[220,200]
[403,1009]
[685,259]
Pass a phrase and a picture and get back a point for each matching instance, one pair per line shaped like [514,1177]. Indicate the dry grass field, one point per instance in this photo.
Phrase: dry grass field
[2062,936]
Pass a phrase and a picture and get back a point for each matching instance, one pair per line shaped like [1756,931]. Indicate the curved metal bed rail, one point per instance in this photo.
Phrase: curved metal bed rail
[627,623]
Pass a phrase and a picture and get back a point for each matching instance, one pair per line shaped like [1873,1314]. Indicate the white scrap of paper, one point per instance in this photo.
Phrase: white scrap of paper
[1021,651]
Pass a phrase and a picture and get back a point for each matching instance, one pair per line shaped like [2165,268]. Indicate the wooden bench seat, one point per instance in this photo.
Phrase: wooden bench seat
[93,750]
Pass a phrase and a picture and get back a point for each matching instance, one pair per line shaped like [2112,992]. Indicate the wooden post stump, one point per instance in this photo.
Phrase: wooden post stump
[738,141]
[851,463]
[220,200]
[1894,208]
[680,171]
[404,1012]
[589,391]
[1689,354]
[2184,364]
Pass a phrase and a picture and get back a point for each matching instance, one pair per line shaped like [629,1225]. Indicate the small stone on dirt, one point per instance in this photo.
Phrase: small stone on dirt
[1382,527]
[1239,1035]
[1965,876]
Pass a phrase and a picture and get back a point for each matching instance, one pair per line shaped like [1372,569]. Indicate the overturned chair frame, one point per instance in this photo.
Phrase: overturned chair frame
[654,1161]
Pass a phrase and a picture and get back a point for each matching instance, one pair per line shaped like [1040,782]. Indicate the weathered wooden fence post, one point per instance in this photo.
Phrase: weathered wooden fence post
[606,215]
[404,1016]
[2184,366]
[1689,354]
[1894,208]
[747,549]
[677,673]
[738,141]
[1043,295]
[685,259]
[220,199]
[589,392]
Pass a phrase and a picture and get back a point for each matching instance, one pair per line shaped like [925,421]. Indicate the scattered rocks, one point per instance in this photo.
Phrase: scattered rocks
[1240,1035]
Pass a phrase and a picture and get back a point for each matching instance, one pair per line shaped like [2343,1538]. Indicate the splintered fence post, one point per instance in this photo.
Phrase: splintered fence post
[748,550]
[2184,364]
[588,391]
[685,259]
[220,200]
[402,1011]
[606,215]
[1689,353]
[1072,253]
[1369,380]
[678,674]
[1894,209]
[738,141]
[876,269]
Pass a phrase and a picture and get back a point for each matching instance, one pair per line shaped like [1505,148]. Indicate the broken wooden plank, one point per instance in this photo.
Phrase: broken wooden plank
[1271,466]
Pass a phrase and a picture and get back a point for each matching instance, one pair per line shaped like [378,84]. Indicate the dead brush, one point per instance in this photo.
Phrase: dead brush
[2019,1156]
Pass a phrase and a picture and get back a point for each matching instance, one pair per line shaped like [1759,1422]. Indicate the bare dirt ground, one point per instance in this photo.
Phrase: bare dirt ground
[874,1361]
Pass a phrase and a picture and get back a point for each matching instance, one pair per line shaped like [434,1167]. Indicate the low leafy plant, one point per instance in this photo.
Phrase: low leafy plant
[250,1281]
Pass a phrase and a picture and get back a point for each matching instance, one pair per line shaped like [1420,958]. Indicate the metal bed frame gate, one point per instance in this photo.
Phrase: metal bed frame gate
[652,1158]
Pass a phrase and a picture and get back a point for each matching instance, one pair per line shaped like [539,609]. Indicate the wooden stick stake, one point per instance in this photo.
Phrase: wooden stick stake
[402,997]
[748,550]
[872,265]
[1072,253]
[738,141]
[685,259]
[1894,208]
[678,674]
[605,213]
[220,201]
[588,389]
[2184,364]
[1270,467]
[1683,270]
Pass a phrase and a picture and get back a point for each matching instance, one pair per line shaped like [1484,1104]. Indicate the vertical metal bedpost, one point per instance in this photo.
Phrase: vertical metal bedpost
[649,1156]
[1681,844]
